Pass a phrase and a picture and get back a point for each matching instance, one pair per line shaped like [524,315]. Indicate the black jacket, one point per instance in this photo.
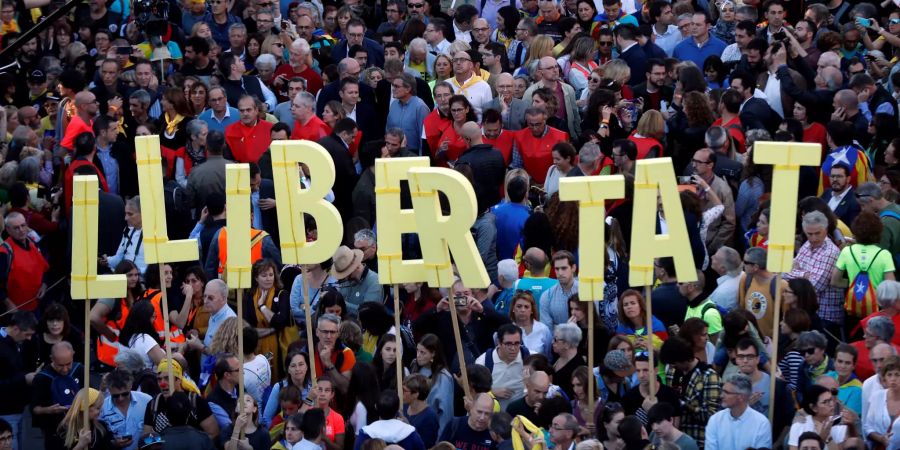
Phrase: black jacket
[109,230]
[818,102]
[640,91]
[490,169]
[476,337]
[345,173]
[331,90]
[757,114]
[186,437]
[269,217]
[847,209]
[636,59]
[15,362]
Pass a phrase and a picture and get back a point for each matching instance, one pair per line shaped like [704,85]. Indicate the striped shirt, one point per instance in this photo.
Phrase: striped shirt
[699,391]
[816,264]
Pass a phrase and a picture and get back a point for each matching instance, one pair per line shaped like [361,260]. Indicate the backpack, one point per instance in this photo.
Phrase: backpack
[489,356]
[860,298]
[63,388]
[747,281]
[711,305]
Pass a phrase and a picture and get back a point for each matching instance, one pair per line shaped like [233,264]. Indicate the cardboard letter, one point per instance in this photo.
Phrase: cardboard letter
[787,157]
[237,203]
[654,176]
[86,284]
[294,200]
[439,234]
[591,194]
[157,246]
[393,222]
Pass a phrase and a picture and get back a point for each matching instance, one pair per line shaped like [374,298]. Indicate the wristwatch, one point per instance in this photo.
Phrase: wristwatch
[603,125]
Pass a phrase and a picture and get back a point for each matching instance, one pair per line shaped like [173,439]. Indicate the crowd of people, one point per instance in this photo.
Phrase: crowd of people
[515,96]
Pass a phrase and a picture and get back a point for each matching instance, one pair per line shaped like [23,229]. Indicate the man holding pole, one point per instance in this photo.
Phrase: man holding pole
[331,356]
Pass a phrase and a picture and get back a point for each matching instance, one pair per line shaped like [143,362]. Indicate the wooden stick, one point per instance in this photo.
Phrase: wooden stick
[164,310]
[591,380]
[309,336]
[649,306]
[87,364]
[459,351]
[399,362]
[240,336]
[773,359]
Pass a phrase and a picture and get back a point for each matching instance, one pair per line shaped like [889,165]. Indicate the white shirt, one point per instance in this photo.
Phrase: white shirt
[441,47]
[461,35]
[871,386]
[478,93]
[506,375]
[773,94]
[668,40]
[257,377]
[837,198]
[731,53]
[726,432]
[539,340]
[726,293]
[143,343]
[838,432]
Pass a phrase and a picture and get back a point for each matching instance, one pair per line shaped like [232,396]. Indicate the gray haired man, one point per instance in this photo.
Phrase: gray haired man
[738,425]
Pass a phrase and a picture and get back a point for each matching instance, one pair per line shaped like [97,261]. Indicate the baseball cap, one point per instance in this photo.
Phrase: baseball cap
[37,76]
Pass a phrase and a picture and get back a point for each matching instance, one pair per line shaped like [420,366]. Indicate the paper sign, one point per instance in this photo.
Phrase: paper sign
[787,157]
[157,246]
[591,194]
[439,234]
[237,203]
[393,222]
[294,200]
[657,177]
[86,284]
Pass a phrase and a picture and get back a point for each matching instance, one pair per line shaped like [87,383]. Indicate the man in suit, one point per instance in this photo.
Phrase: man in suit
[347,67]
[840,198]
[755,112]
[356,35]
[361,113]
[654,90]
[631,52]
[338,146]
[511,108]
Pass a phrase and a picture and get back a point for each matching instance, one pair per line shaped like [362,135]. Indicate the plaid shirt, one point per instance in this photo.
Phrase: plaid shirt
[816,264]
[699,391]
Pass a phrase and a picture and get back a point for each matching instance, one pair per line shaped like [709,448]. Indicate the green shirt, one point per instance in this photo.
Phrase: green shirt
[711,315]
[882,264]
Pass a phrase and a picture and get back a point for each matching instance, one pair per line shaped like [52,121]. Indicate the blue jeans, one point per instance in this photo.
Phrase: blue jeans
[15,421]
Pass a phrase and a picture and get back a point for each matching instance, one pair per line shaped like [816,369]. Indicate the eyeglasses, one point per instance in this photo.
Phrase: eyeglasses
[642,354]
[748,263]
[605,43]
[745,357]
[120,395]
[511,344]
[415,5]
[595,79]
[460,60]
[697,161]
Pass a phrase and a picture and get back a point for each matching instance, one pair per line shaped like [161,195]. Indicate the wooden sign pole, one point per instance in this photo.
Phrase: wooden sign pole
[773,362]
[648,292]
[164,310]
[454,317]
[307,310]
[87,365]
[240,336]
[397,332]
[590,350]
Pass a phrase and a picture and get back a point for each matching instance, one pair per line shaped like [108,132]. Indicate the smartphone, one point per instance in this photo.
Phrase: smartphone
[285,24]
[124,50]
[835,420]
[864,22]
[685,180]
[779,36]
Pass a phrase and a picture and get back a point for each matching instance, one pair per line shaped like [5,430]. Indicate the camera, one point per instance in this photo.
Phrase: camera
[685,180]
[460,301]
[780,36]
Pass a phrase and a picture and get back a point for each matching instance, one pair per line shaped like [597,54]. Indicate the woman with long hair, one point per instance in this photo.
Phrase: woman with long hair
[226,338]
[564,219]
[175,115]
[756,181]
[271,306]
[546,98]
[524,313]
[272,45]
[696,332]
[331,301]
[417,298]
[140,334]
[430,363]
[594,82]
[108,315]
[362,395]
[318,277]
[884,129]
[154,295]
[580,402]
[253,49]
[442,68]
[564,161]
[508,18]
[91,436]
[585,13]
[578,315]
[541,46]
[292,434]
[581,63]
[199,98]
[194,152]
[451,144]
[607,425]
[688,126]
[633,321]
[298,375]
[385,362]
[649,135]
[800,293]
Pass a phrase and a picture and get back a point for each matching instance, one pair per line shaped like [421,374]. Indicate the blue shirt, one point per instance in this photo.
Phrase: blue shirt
[537,286]
[215,321]
[409,117]
[220,32]
[511,219]
[257,212]
[132,423]
[688,50]
[554,304]
[231,116]
[750,430]
[110,168]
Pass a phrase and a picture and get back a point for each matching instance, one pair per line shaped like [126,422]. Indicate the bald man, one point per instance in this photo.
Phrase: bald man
[86,108]
[550,78]
[846,108]
[472,430]
[487,166]
[511,108]
[467,82]
[54,390]
[536,388]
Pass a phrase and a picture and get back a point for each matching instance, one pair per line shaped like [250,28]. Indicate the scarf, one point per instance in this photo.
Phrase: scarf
[260,318]
[172,125]
[197,156]
[120,125]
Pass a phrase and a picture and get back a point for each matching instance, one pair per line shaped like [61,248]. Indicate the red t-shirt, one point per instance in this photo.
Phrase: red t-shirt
[76,126]
[248,143]
[313,80]
[334,424]
[346,364]
[815,133]
[736,130]
[314,130]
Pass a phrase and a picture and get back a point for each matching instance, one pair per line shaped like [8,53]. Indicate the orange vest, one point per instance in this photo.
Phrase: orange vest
[256,238]
[175,334]
[106,349]
[645,145]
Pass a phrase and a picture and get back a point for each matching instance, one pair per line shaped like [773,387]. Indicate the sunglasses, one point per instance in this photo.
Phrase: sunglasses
[605,44]
[122,395]
[808,351]
[895,21]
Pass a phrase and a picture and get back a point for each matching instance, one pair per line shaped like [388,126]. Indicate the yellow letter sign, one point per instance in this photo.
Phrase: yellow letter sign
[237,203]
[157,247]
[787,157]
[86,284]
[439,234]
[591,194]
[394,221]
[654,176]
[294,201]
